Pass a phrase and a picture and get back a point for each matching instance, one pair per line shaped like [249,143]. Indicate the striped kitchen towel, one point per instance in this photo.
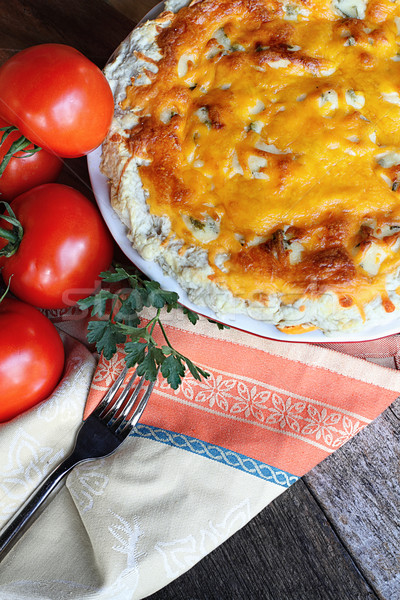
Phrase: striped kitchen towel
[203,461]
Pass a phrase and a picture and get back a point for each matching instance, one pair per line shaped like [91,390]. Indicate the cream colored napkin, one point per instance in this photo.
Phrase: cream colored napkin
[200,465]
[115,514]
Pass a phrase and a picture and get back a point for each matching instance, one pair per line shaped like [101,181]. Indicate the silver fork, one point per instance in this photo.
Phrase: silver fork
[99,435]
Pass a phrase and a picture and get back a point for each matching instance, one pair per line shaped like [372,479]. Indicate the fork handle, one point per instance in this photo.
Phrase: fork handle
[18,522]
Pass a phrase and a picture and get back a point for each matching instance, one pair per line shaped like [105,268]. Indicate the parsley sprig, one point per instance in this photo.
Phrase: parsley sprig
[123,325]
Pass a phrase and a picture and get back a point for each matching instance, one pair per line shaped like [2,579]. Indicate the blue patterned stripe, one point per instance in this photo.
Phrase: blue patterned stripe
[222,455]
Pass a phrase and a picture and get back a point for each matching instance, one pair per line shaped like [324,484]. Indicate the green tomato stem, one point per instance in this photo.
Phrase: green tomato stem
[17,146]
[13,236]
[6,290]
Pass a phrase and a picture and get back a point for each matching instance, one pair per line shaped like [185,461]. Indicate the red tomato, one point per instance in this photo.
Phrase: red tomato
[57,98]
[31,357]
[65,245]
[24,172]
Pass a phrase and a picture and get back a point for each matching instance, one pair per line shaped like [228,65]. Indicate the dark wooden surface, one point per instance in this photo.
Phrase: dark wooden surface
[335,534]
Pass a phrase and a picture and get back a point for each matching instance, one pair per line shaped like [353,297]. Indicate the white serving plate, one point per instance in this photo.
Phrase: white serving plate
[101,191]
[118,230]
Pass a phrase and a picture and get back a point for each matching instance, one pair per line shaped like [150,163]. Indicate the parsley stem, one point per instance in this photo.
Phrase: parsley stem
[125,327]
[154,322]
[133,281]
[114,302]
[164,334]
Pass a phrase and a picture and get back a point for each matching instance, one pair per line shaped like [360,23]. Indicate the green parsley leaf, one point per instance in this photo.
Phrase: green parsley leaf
[98,302]
[158,297]
[218,324]
[124,326]
[119,274]
[135,353]
[148,366]
[127,315]
[197,372]
[106,336]
[192,316]
[173,370]
[137,299]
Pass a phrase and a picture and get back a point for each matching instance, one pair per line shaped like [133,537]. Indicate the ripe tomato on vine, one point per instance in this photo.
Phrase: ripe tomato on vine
[22,164]
[53,246]
[31,357]
[57,98]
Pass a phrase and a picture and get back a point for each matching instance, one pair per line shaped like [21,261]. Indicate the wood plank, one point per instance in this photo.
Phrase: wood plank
[358,489]
[301,553]
[351,508]
[345,486]
[133,9]
[288,551]
[93,27]
[395,408]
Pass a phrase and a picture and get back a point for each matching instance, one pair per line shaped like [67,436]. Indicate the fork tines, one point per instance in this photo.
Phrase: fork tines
[118,415]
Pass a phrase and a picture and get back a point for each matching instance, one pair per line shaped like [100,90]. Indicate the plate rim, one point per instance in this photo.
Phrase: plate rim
[239,321]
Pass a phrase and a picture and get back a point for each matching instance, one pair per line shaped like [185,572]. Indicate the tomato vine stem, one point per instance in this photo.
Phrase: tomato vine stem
[19,145]
[6,290]
[14,235]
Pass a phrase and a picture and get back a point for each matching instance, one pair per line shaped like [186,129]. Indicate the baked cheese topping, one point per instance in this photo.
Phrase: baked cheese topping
[268,134]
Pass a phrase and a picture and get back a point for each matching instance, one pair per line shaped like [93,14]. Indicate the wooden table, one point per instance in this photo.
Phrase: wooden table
[335,534]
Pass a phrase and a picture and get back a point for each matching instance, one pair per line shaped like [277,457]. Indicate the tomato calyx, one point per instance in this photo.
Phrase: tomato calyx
[4,294]
[13,236]
[19,145]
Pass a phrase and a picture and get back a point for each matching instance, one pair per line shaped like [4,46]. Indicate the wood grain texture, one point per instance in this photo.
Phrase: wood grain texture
[395,408]
[133,9]
[358,489]
[335,535]
[92,26]
[287,552]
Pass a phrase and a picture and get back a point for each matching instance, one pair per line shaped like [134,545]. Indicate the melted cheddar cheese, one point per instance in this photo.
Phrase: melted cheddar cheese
[268,135]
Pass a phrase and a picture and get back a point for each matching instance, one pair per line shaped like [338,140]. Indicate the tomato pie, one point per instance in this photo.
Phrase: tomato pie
[255,155]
